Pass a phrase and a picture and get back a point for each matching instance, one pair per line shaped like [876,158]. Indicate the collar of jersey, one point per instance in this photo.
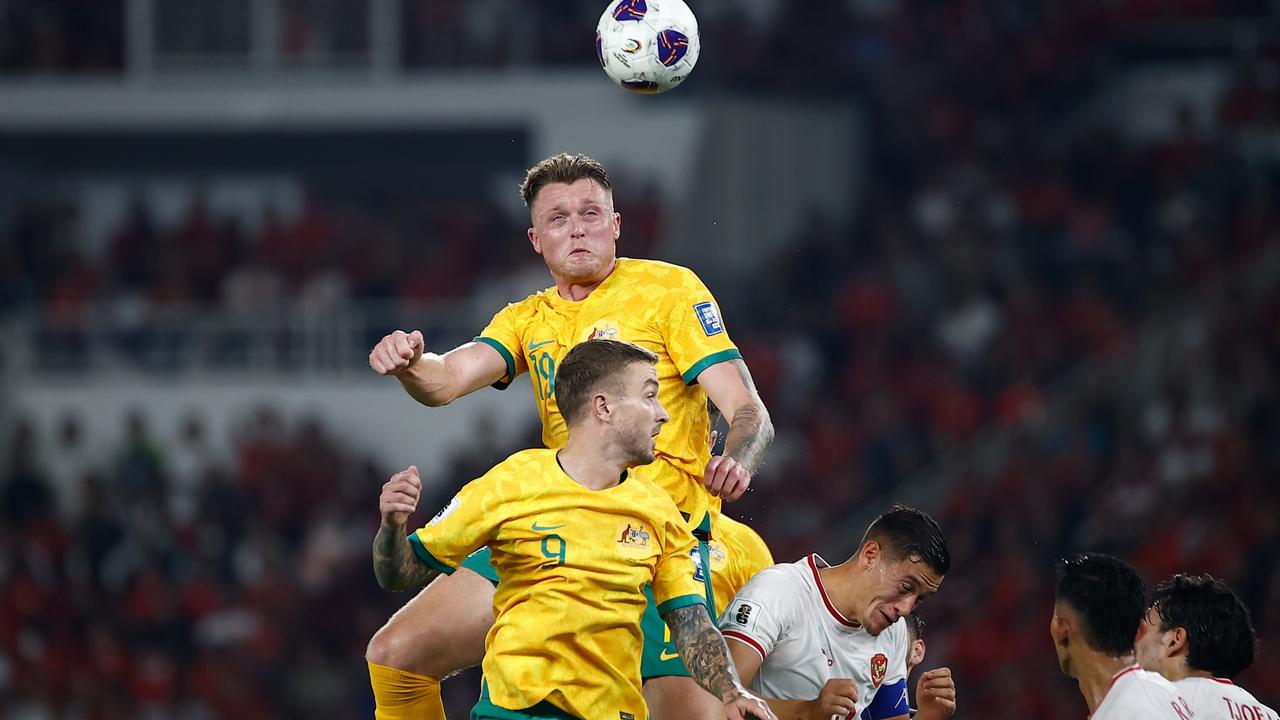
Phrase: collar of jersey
[621,478]
[1123,671]
[815,561]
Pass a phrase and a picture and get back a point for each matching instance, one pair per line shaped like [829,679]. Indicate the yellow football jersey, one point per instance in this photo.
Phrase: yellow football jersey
[737,554]
[655,305]
[573,563]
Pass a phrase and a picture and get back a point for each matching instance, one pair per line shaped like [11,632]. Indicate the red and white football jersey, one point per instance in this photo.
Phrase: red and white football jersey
[1136,694]
[785,615]
[1215,698]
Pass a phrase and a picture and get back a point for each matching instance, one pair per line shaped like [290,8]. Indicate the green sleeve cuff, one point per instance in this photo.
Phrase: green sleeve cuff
[676,603]
[690,376]
[427,557]
[506,355]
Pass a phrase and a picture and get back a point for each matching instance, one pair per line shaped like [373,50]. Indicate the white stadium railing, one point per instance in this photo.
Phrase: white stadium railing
[184,339]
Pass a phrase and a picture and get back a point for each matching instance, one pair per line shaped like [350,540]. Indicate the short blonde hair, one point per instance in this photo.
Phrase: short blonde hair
[562,168]
[591,366]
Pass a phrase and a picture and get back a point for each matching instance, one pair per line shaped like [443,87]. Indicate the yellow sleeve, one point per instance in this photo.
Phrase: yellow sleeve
[503,333]
[693,329]
[674,584]
[459,529]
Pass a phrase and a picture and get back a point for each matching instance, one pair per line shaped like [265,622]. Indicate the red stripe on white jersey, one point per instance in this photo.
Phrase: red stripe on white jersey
[746,640]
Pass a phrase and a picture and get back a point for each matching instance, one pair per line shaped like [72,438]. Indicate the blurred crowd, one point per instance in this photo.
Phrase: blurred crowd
[1175,473]
[142,296]
[984,321]
[975,285]
[329,253]
[320,258]
[986,315]
[168,579]
[164,580]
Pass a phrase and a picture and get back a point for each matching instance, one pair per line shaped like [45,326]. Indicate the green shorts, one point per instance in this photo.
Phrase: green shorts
[486,710]
[659,657]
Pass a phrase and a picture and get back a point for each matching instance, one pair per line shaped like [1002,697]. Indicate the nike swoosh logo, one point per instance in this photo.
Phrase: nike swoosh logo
[544,528]
[665,656]
[535,346]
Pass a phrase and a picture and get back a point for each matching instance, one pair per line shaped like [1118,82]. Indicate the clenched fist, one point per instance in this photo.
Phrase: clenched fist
[400,497]
[838,697]
[936,694]
[726,478]
[396,352]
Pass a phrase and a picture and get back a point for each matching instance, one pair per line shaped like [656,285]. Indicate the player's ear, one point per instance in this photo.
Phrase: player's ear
[1059,628]
[533,240]
[1174,642]
[917,652]
[600,407]
[869,553]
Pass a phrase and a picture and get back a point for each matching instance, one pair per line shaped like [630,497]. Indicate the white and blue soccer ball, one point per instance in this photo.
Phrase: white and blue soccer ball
[648,46]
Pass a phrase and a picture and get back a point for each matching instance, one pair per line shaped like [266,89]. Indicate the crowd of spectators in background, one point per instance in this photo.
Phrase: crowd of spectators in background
[144,298]
[326,256]
[166,580]
[985,313]
[991,287]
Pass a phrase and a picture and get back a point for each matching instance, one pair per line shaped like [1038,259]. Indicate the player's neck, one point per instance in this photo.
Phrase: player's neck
[577,290]
[592,467]
[1096,673]
[841,586]
[1181,671]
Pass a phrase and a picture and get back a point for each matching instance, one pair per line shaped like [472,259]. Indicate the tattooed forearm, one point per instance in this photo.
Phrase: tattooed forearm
[749,436]
[751,430]
[703,651]
[395,566]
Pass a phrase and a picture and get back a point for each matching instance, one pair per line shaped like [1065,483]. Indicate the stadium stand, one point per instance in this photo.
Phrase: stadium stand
[1052,334]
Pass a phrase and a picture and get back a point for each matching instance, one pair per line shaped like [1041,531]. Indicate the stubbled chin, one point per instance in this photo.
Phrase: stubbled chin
[580,269]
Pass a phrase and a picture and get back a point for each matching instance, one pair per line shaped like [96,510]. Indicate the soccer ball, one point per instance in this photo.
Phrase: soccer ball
[648,46]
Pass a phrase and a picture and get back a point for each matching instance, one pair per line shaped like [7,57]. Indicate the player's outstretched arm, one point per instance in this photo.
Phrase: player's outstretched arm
[704,653]
[394,563]
[730,387]
[431,379]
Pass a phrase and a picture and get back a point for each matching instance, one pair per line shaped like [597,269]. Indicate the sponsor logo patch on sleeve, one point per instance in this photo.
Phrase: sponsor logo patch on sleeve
[743,614]
[709,317]
[447,510]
